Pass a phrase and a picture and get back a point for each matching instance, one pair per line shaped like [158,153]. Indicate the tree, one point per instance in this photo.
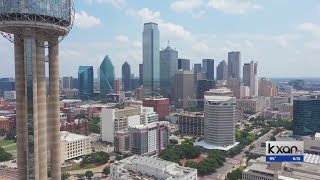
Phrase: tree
[106,171]
[2,132]
[80,176]
[4,156]
[173,141]
[89,174]
[119,157]
[65,176]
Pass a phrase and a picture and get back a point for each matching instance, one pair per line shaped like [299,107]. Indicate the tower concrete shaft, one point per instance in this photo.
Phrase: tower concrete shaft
[32,124]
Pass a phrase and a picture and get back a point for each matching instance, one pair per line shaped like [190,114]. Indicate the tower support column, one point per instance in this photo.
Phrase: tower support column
[54,111]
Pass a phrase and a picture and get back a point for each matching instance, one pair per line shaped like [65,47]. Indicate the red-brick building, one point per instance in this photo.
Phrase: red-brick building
[4,123]
[161,105]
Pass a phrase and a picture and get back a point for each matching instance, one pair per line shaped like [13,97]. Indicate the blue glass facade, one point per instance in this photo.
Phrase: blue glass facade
[85,80]
[306,115]
[151,60]
[208,68]
[107,77]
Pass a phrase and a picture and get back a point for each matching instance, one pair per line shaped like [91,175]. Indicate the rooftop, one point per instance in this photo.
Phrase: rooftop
[67,136]
[207,145]
[218,98]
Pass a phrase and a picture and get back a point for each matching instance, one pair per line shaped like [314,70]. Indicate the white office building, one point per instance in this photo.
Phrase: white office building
[151,168]
[149,116]
[74,145]
[114,120]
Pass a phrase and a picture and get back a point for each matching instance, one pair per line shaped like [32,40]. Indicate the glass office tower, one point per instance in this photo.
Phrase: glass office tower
[85,78]
[151,60]
[107,77]
[306,115]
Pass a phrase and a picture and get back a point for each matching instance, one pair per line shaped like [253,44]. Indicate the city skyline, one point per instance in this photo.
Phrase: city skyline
[293,41]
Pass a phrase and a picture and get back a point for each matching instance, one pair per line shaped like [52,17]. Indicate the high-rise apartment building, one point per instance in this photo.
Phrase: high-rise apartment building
[267,88]
[33,26]
[107,77]
[208,68]
[222,71]
[250,77]
[149,139]
[67,82]
[126,76]
[234,63]
[151,59]
[306,115]
[183,88]
[168,68]
[203,86]
[184,64]
[85,78]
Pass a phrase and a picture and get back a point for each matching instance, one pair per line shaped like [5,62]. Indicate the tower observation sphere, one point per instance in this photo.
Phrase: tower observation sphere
[33,25]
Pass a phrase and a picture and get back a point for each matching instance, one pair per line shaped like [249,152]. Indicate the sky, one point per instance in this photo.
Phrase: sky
[283,36]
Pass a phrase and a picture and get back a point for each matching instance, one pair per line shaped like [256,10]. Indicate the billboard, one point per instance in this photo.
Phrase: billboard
[284,151]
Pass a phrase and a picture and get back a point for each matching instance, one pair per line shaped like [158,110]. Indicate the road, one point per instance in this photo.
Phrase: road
[235,162]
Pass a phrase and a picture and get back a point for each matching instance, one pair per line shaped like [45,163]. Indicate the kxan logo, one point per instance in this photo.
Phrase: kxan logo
[284,151]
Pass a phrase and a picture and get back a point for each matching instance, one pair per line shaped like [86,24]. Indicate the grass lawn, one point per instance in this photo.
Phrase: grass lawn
[6,142]
[10,148]
[77,167]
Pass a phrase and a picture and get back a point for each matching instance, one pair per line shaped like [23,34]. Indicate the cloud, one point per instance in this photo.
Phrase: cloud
[85,21]
[114,3]
[312,28]
[186,5]
[169,30]
[234,6]
[122,38]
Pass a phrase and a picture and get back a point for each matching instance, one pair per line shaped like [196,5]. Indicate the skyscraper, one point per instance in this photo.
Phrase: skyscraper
[141,74]
[107,77]
[32,26]
[126,76]
[234,62]
[222,71]
[208,68]
[196,69]
[183,88]
[151,59]
[250,77]
[184,64]
[203,86]
[168,68]
[267,88]
[67,82]
[85,78]
[306,115]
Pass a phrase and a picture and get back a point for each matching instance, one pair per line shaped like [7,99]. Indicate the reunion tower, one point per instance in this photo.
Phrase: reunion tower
[33,26]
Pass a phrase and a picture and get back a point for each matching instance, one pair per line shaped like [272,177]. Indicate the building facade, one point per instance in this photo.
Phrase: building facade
[149,139]
[160,105]
[219,120]
[85,77]
[234,63]
[208,68]
[184,64]
[251,105]
[267,88]
[114,120]
[107,77]
[183,88]
[121,142]
[191,124]
[74,145]
[168,68]
[67,82]
[250,77]
[151,59]
[126,76]
[137,167]
[202,87]
[306,115]
[141,74]
[222,71]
